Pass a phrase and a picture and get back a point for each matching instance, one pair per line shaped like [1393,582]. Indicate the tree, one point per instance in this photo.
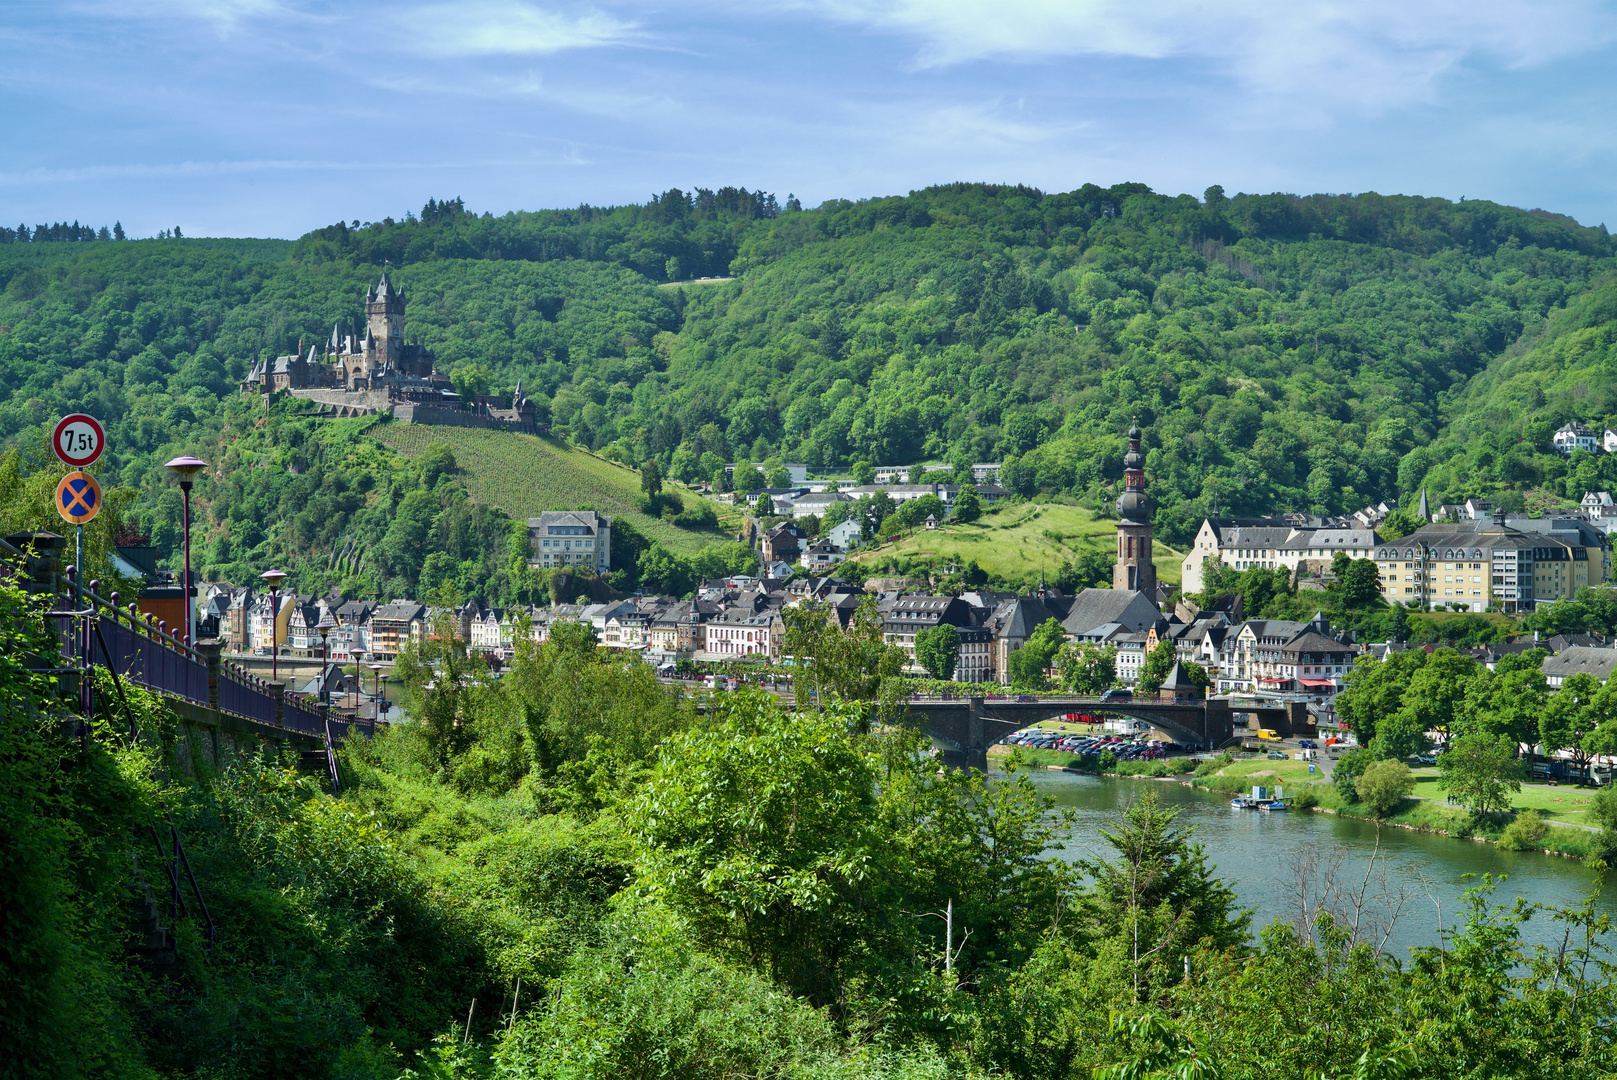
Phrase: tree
[864,473]
[1087,670]
[1435,698]
[1374,689]
[1384,784]
[765,507]
[1159,896]
[1349,767]
[1028,663]
[1510,699]
[967,505]
[1090,569]
[779,476]
[748,479]
[937,649]
[651,478]
[918,473]
[1481,771]
[1571,715]
[1358,582]
[1158,663]
[1603,812]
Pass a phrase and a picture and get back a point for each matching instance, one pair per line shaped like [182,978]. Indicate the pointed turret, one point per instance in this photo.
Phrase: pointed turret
[1134,569]
[1425,511]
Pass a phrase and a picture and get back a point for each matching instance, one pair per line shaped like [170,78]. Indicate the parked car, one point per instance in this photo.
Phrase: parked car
[1276,755]
[1308,744]
[1119,694]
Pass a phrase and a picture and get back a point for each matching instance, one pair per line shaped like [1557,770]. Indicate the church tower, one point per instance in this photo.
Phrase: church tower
[1134,569]
[384,311]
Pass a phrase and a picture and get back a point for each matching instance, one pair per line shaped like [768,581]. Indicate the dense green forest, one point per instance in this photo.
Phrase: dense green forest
[601,881]
[1312,353]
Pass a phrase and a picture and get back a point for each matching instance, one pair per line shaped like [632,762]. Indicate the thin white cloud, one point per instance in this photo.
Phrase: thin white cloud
[510,27]
[1366,53]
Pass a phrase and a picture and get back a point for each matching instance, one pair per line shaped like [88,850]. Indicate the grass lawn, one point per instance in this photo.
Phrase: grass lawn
[1269,772]
[525,474]
[1022,538]
[1562,803]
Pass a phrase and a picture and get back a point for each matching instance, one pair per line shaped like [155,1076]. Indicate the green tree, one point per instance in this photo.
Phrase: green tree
[765,506]
[1158,663]
[1158,897]
[779,476]
[1572,714]
[1028,664]
[1384,784]
[1374,689]
[1481,771]
[864,473]
[1358,582]
[651,478]
[967,505]
[937,649]
[748,479]
[1345,777]
[1435,697]
[1509,700]
[1087,670]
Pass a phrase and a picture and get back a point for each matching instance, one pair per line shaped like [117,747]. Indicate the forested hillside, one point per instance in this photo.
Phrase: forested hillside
[1281,352]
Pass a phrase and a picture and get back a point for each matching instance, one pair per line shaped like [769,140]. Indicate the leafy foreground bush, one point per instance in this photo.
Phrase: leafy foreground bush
[1384,784]
[1525,832]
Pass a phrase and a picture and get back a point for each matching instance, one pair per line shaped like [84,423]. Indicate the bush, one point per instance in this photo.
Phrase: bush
[1384,784]
[1346,776]
[1525,832]
[1207,768]
[1603,812]
[1108,761]
[1308,798]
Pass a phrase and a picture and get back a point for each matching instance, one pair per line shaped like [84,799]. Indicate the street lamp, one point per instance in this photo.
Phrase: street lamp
[376,697]
[325,626]
[186,468]
[272,581]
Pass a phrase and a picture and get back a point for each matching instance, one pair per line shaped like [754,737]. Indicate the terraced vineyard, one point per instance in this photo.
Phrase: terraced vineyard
[525,474]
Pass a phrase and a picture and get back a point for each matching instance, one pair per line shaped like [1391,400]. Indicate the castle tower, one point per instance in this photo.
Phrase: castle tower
[1134,569]
[384,311]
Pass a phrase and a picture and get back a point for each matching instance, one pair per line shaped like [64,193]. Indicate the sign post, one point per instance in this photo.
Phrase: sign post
[78,500]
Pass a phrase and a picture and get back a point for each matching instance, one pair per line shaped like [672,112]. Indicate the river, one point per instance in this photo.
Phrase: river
[1257,854]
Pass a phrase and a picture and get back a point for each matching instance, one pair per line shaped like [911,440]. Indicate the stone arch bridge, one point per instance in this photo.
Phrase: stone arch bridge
[966,727]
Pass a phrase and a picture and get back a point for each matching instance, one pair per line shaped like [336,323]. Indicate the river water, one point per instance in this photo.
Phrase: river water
[1259,854]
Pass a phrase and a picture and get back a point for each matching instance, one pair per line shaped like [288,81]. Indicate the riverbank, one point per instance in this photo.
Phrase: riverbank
[1563,839]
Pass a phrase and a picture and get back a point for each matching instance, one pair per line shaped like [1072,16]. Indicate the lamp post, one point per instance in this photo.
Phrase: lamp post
[359,658]
[186,468]
[272,581]
[325,626]
[376,695]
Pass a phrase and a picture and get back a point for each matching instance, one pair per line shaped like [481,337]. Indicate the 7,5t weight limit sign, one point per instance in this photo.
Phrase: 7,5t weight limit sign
[79,440]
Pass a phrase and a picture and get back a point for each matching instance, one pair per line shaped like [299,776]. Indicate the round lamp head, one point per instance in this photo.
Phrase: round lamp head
[325,625]
[186,467]
[273,578]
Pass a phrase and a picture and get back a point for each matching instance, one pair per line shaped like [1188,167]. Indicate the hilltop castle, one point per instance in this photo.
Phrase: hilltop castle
[380,372]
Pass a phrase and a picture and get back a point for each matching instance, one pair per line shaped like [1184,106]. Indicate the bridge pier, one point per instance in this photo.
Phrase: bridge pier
[973,751]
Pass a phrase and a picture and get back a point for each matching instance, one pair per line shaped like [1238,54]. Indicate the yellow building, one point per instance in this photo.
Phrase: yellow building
[1490,565]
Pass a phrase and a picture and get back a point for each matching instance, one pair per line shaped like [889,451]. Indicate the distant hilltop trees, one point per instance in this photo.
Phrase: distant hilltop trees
[62,232]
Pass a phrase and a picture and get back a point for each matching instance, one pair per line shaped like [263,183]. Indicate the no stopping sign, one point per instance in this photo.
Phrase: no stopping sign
[79,440]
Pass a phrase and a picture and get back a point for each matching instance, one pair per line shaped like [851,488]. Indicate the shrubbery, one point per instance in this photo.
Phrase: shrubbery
[1384,784]
[1525,832]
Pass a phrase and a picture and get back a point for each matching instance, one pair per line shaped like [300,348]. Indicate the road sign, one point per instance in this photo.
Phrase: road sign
[1310,768]
[79,440]
[78,497]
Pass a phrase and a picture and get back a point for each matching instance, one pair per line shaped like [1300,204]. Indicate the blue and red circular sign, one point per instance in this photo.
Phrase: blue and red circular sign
[78,498]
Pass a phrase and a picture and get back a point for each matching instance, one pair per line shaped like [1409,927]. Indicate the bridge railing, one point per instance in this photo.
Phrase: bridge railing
[147,652]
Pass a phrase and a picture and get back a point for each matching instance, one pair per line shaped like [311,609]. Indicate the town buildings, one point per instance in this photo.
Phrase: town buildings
[1477,565]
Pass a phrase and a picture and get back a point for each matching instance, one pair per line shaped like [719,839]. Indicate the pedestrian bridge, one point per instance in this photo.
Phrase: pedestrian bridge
[966,727]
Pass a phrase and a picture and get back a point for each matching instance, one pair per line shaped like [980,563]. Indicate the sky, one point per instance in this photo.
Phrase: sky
[274,117]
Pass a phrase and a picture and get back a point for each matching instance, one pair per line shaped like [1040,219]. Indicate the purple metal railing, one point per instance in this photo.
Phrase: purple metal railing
[146,652]
[245,695]
[301,716]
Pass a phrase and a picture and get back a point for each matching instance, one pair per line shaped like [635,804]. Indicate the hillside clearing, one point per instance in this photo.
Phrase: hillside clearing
[1022,539]
[524,475]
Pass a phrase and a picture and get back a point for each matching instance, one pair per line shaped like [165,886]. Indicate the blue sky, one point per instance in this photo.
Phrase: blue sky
[272,117]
